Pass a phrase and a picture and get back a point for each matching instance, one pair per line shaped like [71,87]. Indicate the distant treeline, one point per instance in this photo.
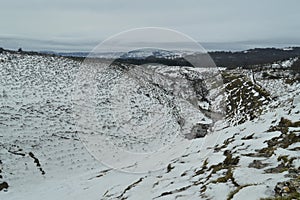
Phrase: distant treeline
[243,59]
[253,57]
[296,66]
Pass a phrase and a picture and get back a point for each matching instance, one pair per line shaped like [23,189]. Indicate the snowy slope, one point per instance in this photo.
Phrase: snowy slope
[144,53]
[248,151]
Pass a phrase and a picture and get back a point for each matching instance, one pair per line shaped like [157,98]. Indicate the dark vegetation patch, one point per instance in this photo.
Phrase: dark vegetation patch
[232,193]
[245,98]
[283,125]
[286,163]
[258,164]
[288,190]
[203,168]
[174,191]
[225,143]
[296,67]
[249,137]
[101,173]
[129,188]
[228,164]
[283,141]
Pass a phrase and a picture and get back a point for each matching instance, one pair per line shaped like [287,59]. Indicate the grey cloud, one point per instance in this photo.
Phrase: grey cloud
[80,21]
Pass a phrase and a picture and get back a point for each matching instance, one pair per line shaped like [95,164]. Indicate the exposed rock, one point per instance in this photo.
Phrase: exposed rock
[3,186]
[198,131]
[258,164]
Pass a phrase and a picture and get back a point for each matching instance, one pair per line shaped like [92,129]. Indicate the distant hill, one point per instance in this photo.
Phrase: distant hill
[228,59]
[244,59]
[253,57]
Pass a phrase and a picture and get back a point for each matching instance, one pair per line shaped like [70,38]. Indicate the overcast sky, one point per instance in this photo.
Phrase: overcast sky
[83,23]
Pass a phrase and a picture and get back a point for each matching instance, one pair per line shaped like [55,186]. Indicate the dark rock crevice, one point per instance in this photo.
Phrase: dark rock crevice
[37,162]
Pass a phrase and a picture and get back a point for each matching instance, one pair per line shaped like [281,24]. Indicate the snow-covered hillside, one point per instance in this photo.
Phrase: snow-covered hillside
[243,145]
[157,53]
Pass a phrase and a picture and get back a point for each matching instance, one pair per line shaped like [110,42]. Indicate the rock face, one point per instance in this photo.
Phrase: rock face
[200,130]
[3,186]
[251,152]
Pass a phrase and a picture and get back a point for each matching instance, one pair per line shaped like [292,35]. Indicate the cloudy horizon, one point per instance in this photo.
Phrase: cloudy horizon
[80,25]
